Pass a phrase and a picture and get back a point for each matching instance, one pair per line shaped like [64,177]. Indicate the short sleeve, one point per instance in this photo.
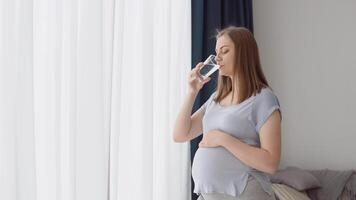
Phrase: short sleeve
[205,106]
[265,104]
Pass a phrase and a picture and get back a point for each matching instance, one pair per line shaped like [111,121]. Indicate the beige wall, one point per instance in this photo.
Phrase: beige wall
[308,52]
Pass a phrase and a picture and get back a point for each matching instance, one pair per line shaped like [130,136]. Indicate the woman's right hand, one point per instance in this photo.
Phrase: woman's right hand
[194,82]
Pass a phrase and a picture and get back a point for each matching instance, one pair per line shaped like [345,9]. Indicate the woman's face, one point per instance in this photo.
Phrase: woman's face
[225,55]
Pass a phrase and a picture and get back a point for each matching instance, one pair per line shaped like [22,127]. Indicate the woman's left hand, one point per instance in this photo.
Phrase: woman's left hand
[212,139]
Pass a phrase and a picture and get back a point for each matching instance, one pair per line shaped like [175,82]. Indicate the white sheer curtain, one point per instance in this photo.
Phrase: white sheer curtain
[152,52]
[89,91]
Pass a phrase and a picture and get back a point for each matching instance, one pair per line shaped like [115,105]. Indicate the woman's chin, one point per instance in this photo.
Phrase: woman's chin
[222,73]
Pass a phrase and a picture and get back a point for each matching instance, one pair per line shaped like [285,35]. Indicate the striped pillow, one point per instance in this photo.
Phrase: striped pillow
[284,192]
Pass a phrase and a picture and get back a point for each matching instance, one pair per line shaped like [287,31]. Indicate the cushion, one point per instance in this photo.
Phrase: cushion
[284,192]
[296,178]
[333,183]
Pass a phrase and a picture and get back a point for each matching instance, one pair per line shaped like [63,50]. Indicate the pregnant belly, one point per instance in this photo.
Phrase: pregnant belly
[216,164]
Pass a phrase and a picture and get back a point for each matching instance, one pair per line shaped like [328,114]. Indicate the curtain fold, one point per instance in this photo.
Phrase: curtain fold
[16,102]
[153,59]
[89,91]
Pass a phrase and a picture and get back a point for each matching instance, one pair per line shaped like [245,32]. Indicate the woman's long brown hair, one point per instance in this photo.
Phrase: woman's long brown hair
[247,69]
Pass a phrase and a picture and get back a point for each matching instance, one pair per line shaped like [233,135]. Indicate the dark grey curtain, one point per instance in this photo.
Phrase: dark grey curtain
[207,17]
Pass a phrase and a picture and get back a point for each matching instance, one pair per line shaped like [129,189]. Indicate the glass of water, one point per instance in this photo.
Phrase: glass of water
[209,67]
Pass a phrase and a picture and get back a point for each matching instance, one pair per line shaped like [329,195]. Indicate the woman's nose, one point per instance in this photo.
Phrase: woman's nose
[217,58]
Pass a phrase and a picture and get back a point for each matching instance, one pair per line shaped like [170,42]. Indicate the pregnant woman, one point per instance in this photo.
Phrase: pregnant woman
[240,123]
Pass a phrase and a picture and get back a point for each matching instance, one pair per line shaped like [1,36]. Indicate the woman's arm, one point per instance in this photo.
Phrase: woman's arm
[183,121]
[188,127]
[266,158]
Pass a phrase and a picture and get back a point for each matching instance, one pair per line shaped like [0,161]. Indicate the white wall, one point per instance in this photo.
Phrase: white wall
[308,52]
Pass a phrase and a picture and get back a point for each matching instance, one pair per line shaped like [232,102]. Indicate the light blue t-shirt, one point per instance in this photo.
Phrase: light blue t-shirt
[216,170]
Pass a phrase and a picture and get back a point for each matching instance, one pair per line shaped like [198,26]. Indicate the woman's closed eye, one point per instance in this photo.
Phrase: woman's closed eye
[223,52]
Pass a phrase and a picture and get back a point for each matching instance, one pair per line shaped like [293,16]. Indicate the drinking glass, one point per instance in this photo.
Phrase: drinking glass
[209,67]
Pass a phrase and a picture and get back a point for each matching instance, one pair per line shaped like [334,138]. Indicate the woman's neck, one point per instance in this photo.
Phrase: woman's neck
[233,99]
